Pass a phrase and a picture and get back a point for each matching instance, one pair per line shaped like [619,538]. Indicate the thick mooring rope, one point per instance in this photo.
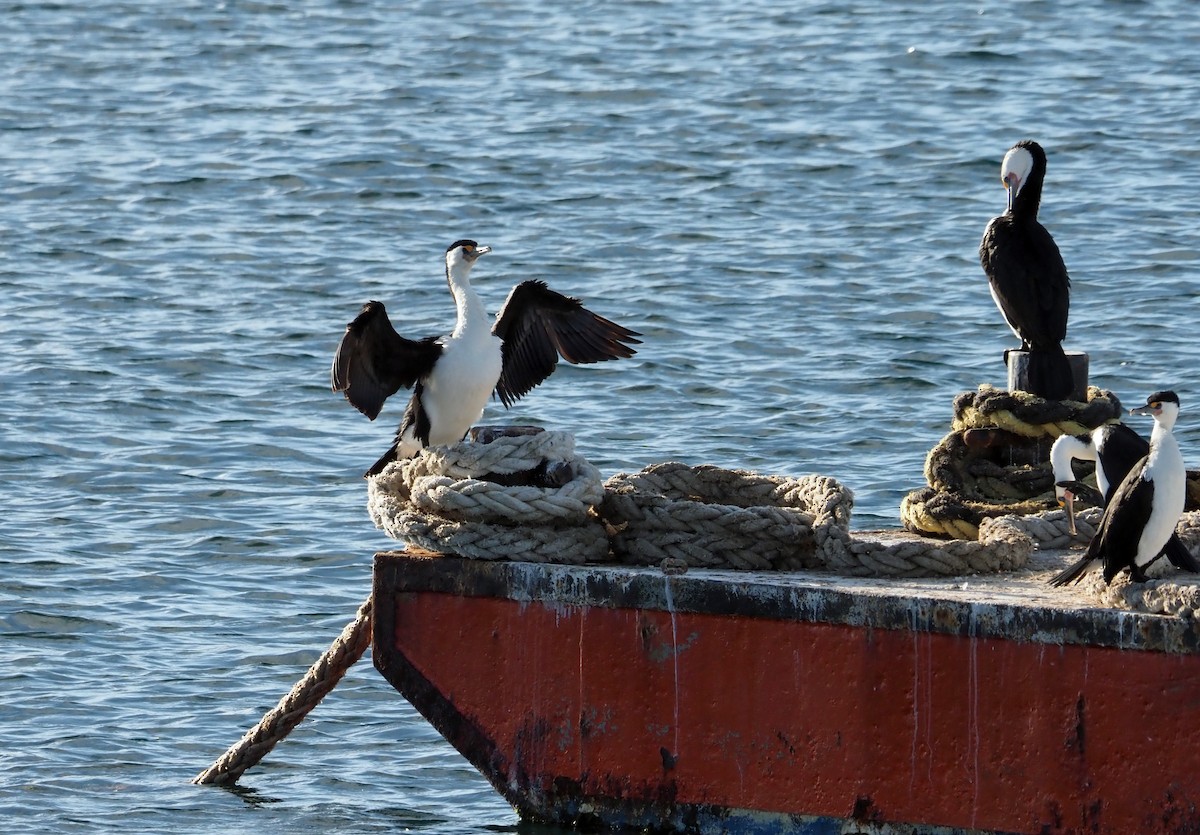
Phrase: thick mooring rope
[1175,595]
[322,677]
[503,454]
[1004,544]
[1031,416]
[671,514]
[995,461]
[451,499]
[711,517]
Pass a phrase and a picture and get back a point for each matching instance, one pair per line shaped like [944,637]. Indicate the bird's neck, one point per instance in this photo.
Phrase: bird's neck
[1066,448]
[1025,204]
[1162,429]
[472,318]
[1163,446]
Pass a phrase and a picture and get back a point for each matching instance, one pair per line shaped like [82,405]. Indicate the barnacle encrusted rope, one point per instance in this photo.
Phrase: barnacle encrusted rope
[994,462]
[451,499]
[321,677]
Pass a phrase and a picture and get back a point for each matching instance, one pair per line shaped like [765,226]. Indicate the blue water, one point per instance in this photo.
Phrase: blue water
[786,201]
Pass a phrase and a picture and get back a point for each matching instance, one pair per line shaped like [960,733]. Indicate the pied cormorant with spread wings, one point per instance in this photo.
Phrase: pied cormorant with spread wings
[453,376]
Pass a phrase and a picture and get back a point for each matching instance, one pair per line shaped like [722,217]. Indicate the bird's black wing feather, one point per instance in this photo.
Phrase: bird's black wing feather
[538,325]
[1008,274]
[1054,285]
[1126,515]
[1116,540]
[1029,279]
[1120,449]
[373,362]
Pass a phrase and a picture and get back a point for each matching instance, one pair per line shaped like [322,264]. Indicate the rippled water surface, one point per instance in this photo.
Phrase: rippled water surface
[786,201]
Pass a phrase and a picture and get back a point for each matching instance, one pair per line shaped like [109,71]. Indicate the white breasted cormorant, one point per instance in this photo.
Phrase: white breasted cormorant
[1144,508]
[453,376]
[1115,449]
[1026,272]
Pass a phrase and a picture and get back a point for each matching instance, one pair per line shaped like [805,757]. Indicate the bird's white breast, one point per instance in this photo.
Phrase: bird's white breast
[1165,468]
[461,383]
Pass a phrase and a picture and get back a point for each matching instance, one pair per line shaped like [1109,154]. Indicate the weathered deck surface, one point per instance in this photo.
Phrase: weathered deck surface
[723,701]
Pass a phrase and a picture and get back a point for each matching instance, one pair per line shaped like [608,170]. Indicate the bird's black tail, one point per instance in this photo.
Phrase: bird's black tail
[385,459]
[1072,573]
[1050,373]
[1179,555]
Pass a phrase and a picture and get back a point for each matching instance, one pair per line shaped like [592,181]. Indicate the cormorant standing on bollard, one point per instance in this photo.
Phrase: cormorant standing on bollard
[1028,279]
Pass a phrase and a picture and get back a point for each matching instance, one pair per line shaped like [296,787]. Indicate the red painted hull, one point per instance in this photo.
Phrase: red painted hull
[711,702]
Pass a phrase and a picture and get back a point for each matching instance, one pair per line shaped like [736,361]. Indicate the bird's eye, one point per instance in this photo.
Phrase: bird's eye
[1155,405]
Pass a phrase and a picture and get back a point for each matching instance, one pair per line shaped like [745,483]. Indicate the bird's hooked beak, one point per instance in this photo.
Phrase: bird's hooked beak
[472,254]
[1151,409]
[1012,184]
[1067,502]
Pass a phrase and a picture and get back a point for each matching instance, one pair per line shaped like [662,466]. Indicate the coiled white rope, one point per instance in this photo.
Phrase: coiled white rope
[441,500]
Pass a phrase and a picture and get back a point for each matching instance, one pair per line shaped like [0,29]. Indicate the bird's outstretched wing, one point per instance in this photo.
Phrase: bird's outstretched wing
[373,362]
[538,325]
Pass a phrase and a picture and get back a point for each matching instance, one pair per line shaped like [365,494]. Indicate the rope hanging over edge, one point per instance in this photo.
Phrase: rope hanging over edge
[306,694]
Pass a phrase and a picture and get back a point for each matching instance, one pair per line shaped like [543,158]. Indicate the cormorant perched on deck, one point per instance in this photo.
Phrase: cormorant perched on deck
[1115,448]
[453,376]
[1026,272]
[1144,509]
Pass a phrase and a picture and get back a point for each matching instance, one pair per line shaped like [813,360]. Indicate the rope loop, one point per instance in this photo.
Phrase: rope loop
[1031,416]
[501,454]
[475,499]
[995,461]
[707,516]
